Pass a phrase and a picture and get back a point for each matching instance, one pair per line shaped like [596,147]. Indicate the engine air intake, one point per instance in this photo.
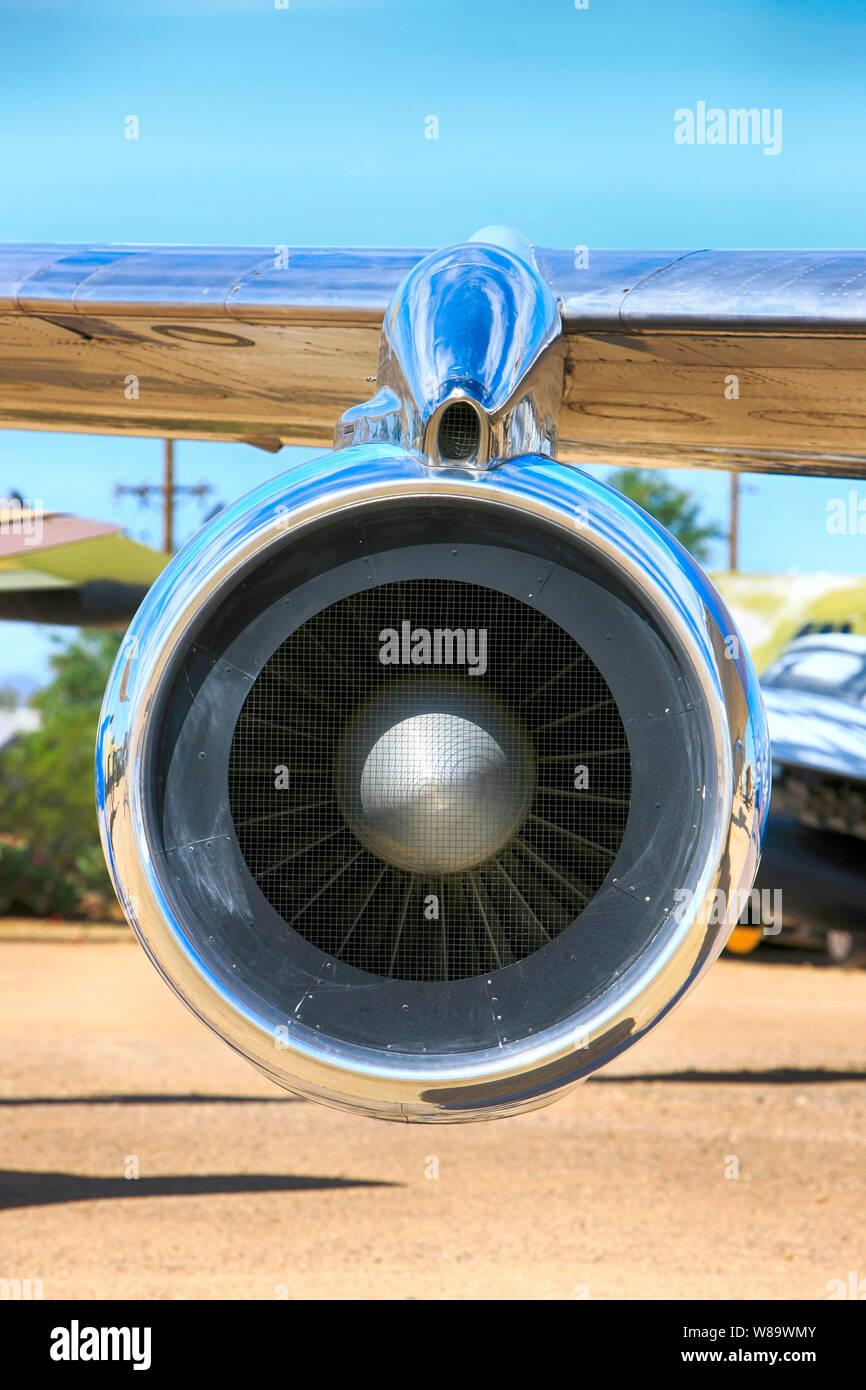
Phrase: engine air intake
[429,780]
[420,785]
[459,434]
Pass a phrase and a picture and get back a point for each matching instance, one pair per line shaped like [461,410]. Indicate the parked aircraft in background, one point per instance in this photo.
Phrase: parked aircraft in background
[57,568]
[815,848]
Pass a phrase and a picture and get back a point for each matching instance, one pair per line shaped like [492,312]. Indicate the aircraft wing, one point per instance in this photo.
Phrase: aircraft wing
[56,568]
[192,342]
[754,360]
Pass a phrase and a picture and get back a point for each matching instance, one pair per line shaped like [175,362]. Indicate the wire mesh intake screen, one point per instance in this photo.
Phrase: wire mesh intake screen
[459,432]
[429,780]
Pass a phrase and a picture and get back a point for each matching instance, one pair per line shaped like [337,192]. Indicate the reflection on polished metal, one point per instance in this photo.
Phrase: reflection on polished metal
[437,792]
[473,329]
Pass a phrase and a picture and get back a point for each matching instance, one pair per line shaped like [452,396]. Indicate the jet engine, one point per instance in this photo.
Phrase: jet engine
[422,766]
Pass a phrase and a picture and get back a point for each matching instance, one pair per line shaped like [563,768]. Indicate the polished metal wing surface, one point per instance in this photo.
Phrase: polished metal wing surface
[751,360]
[240,343]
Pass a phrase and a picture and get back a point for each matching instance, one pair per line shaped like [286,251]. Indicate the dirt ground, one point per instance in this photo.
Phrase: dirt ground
[624,1189]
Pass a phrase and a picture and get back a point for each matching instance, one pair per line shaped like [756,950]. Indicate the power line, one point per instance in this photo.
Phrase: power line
[734,522]
[168,490]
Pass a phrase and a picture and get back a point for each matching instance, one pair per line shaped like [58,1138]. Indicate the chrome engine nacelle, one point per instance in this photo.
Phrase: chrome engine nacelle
[457,917]
[423,766]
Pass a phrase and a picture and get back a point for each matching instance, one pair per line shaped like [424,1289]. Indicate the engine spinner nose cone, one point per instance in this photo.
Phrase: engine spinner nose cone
[436,791]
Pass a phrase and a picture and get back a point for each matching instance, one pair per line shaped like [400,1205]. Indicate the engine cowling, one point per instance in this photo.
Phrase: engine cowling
[419,786]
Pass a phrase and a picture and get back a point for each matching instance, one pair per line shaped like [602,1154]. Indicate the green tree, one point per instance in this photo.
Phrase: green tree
[673,506]
[46,777]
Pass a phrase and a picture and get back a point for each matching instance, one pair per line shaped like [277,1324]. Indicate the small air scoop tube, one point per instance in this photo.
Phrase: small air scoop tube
[459,435]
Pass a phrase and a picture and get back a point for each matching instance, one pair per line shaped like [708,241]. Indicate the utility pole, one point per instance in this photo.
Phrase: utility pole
[734,521]
[168,491]
[168,496]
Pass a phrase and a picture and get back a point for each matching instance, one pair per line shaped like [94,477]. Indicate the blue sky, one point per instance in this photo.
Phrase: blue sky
[305,126]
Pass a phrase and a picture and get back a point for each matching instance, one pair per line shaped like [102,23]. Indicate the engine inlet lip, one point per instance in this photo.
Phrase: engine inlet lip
[213,562]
